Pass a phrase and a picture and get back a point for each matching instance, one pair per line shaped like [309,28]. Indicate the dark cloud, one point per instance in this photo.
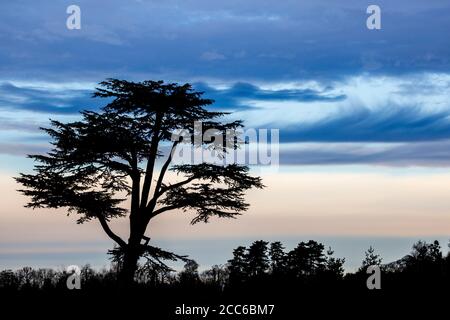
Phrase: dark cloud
[241,40]
[72,101]
[235,96]
[391,123]
[46,100]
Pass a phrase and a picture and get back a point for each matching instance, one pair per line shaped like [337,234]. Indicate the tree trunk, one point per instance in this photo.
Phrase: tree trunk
[132,254]
[129,267]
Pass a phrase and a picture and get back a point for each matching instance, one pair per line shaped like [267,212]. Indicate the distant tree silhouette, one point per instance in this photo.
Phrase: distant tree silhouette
[218,276]
[277,257]
[426,252]
[425,258]
[371,259]
[27,277]
[423,271]
[447,262]
[257,260]
[307,259]
[9,281]
[189,275]
[334,267]
[108,156]
[237,266]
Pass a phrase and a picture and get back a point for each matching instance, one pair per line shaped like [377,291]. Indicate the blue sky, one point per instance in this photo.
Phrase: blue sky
[310,68]
[339,93]
[255,40]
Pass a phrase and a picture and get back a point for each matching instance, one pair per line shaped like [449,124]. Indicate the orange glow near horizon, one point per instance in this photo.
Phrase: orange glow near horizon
[294,203]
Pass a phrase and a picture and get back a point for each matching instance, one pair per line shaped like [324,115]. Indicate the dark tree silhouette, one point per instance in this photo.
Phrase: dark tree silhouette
[334,267]
[108,156]
[189,274]
[307,259]
[277,257]
[257,258]
[237,266]
[371,259]
[319,278]
[426,252]
[425,258]
[217,275]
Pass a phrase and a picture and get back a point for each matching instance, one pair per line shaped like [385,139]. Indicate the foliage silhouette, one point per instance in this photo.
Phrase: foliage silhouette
[108,156]
[371,259]
[257,259]
[319,287]
[277,258]
[308,264]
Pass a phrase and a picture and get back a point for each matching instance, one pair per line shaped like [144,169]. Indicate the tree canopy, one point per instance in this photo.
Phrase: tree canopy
[108,156]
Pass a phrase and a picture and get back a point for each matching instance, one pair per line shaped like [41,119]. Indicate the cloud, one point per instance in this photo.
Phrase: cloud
[391,123]
[212,56]
[22,149]
[64,99]
[238,95]
[428,154]
[46,100]
[359,109]
[30,125]
[345,120]
[293,40]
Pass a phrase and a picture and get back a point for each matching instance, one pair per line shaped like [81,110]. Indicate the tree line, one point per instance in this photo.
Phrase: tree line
[309,265]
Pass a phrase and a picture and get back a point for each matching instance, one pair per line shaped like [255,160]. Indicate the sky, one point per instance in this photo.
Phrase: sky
[363,116]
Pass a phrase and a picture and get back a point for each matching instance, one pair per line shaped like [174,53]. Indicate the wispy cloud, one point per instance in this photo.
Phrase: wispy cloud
[391,123]
[22,149]
[363,119]
[426,154]
[46,100]
[238,95]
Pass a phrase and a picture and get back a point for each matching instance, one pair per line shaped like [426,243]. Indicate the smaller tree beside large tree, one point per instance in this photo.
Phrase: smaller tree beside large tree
[109,156]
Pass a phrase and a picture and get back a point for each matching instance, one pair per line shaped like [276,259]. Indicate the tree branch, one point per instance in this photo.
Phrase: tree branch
[135,188]
[115,165]
[151,161]
[174,186]
[109,232]
[164,169]
[164,209]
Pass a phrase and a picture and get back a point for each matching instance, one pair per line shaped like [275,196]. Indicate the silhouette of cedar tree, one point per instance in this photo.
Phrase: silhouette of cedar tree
[109,156]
